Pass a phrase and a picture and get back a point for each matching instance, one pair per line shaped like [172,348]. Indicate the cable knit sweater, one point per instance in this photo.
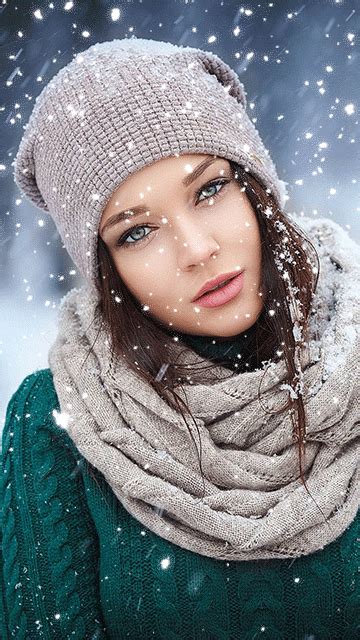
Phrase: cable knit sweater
[75,564]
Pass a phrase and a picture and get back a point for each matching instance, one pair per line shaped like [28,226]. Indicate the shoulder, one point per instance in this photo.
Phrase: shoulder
[330,238]
[32,409]
[46,526]
[36,389]
[321,224]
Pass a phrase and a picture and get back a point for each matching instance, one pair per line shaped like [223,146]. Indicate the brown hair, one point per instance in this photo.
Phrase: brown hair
[289,262]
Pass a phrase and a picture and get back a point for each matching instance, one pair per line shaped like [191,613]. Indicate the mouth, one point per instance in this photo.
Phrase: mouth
[219,286]
[215,283]
[222,293]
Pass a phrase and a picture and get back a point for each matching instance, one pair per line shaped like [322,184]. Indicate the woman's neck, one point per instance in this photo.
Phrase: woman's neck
[236,352]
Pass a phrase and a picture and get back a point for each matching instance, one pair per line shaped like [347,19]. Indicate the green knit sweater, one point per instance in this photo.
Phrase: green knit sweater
[75,564]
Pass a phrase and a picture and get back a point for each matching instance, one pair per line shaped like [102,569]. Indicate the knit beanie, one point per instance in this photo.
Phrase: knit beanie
[117,107]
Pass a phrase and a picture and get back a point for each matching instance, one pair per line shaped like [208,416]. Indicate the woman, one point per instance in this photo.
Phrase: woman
[187,465]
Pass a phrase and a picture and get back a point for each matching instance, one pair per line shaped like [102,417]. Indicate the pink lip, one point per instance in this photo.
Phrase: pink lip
[214,282]
[223,295]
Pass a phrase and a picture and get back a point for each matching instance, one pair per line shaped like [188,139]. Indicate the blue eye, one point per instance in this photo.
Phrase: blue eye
[211,185]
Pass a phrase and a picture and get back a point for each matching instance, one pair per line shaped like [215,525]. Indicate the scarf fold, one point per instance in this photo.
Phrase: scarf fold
[249,502]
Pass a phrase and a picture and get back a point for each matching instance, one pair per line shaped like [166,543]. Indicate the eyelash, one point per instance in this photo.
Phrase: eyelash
[121,242]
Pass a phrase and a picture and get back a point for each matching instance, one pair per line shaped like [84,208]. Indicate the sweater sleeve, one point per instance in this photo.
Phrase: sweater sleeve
[49,547]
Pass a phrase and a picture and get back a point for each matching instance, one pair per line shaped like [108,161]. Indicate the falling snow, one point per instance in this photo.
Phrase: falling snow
[299,67]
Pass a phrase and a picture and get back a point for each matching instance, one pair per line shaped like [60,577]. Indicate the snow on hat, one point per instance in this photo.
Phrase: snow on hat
[117,107]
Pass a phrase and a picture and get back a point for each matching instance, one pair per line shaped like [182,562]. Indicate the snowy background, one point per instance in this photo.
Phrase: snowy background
[299,62]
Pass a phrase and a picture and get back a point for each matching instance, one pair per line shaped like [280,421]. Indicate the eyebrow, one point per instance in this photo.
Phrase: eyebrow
[133,212]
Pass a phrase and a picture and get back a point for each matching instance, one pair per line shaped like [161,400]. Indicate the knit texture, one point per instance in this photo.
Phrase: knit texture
[75,565]
[247,501]
[117,107]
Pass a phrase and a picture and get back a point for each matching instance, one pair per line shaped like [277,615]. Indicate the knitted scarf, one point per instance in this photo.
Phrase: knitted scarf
[247,501]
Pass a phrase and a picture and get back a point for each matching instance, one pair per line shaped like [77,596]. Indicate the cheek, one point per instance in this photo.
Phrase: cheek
[241,221]
[139,279]
[247,237]
[128,271]
[253,237]
[249,244]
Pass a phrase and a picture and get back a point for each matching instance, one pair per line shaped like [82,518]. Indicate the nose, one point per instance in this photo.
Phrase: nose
[195,245]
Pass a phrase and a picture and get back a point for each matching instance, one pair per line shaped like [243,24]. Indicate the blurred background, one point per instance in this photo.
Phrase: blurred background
[299,62]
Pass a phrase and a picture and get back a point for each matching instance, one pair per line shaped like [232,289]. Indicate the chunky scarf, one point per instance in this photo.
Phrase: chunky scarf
[249,502]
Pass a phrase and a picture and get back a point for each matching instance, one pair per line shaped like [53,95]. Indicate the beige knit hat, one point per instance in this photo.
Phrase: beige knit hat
[121,105]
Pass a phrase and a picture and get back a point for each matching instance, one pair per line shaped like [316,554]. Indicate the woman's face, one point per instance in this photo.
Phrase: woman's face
[186,235]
